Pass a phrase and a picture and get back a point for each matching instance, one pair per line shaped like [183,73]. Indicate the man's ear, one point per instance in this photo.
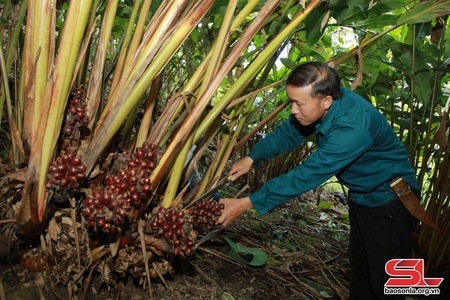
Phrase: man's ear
[327,101]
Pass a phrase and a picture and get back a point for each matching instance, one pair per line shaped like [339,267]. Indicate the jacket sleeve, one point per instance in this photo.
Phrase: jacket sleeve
[285,137]
[344,145]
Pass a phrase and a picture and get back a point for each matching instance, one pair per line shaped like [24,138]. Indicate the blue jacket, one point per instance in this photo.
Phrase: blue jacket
[355,143]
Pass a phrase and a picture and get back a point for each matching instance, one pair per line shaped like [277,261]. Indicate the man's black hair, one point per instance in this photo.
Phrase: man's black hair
[324,80]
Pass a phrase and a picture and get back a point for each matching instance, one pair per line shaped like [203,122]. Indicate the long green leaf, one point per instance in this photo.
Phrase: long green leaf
[425,12]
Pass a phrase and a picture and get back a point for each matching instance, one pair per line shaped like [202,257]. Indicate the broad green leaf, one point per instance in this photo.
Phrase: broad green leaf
[382,7]
[340,3]
[425,12]
[195,35]
[313,23]
[428,53]
[288,63]
[381,89]
[347,14]
[380,21]
[446,49]
[423,86]
[371,69]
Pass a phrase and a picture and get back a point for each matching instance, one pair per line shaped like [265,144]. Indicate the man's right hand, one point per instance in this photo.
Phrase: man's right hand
[233,208]
[241,167]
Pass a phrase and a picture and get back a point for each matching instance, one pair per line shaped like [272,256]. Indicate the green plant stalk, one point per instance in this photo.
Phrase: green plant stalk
[256,65]
[216,57]
[35,69]
[363,45]
[257,111]
[426,151]
[411,104]
[127,128]
[156,34]
[42,16]
[82,70]
[190,87]
[145,125]
[220,44]
[224,103]
[246,107]
[433,250]
[5,14]
[208,179]
[156,135]
[228,141]
[34,78]
[94,91]
[243,14]
[437,207]
[199,152]
[442,209]
[252,94]
[9,59]
[43,148]
[12,124]
[187,126]
[139,30]
[428,243]
[70,44]
[228,149]
[197,77]
[131,40]
[200,71]
[164,26]
[260,125]
[26,85]
[5,93]
[136,86]
[176,171]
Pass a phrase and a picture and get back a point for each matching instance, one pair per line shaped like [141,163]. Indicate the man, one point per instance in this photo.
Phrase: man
[355,144]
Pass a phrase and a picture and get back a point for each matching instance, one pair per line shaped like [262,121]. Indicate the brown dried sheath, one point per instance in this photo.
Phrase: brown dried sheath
[410,201]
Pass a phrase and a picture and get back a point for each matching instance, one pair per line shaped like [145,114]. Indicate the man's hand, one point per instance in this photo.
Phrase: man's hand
[233,208]
[241,167]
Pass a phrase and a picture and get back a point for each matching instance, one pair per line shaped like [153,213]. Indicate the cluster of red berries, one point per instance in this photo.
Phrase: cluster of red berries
[109,207]
[141,163]
[206,212]
[76,114]
[174,226]
[66,172]
[105,210]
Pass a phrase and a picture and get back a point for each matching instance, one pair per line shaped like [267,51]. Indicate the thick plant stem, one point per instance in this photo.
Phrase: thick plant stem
[216,58]
[34,199]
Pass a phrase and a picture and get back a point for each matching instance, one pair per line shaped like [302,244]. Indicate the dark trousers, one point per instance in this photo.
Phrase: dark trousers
[377,234]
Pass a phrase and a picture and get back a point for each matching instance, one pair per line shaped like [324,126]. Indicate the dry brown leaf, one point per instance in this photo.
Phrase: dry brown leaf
[98,253]
[53,230]
[19,175]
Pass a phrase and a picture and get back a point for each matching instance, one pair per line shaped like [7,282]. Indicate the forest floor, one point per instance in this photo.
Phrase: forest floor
[305,239]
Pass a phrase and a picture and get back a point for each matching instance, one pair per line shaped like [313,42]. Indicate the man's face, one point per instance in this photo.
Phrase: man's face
[306,109]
